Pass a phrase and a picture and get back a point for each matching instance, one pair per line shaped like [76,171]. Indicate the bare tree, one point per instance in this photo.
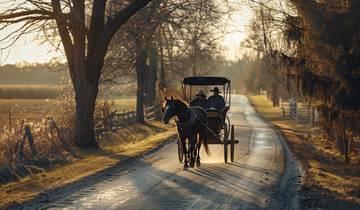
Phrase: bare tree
[85,43]
[161,32]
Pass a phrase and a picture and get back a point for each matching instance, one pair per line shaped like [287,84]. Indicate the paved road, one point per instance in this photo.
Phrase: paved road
[157,181]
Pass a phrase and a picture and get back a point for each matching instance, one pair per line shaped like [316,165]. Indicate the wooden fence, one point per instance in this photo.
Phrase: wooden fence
[111,122]
[60,132]
[122,119]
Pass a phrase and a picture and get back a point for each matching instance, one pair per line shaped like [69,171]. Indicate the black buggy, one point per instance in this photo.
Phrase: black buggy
[219,127]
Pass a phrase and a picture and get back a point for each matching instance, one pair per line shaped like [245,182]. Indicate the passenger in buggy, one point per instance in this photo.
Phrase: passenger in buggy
[216,101]
[200,100]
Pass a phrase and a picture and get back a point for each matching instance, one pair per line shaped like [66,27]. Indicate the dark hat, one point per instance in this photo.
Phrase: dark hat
[216,89]
[200,93]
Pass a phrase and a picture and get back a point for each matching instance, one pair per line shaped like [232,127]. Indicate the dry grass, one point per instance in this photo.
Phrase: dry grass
[36,109]
[25,109]
[120,104]
[50,145]
[128,142]
[329,182]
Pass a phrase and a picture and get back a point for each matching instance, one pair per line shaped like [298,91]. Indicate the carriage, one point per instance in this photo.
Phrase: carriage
[219,129]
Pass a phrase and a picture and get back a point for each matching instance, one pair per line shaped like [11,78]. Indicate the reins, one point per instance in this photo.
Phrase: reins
[207,127]
[191,121]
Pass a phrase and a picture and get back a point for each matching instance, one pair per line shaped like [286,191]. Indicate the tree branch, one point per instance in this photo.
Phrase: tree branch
[96,24]
[112,25]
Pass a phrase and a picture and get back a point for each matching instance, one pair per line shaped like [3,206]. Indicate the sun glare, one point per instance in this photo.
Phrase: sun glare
[28,49]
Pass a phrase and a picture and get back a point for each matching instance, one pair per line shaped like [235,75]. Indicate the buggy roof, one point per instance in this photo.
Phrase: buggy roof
[205,81]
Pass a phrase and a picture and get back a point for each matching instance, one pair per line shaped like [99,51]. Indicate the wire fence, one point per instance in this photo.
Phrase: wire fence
[340,131]
[302,113]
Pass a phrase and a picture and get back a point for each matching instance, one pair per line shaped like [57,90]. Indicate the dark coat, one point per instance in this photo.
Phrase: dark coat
[217,102]
[204,103]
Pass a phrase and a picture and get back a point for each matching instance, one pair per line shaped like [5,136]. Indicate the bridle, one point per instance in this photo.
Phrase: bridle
[186,124]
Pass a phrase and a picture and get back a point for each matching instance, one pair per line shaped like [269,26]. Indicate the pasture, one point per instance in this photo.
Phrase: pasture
[30,91]
[36,109]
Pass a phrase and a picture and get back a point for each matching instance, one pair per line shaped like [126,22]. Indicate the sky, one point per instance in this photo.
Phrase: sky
[29,50]
[236,31]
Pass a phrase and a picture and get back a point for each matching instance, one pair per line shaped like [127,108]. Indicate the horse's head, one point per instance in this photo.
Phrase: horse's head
[168,110]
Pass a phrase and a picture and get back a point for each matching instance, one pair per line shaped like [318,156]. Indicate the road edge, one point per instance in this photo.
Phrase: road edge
[291,181]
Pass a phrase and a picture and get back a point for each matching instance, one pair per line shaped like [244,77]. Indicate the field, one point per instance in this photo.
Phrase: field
[36,109]
[30,91]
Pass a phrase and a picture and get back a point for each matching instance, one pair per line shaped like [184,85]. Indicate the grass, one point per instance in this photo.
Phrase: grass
[28,109]
[128,142]
[36,109]
[329,183]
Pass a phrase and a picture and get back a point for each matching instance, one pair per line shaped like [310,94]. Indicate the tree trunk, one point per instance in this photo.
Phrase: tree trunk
[275,92]
[151,76]
[140,73]
[162,76]
[194,61]
[85,98]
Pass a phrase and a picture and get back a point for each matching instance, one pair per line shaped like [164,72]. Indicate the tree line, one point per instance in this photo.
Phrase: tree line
[312,47]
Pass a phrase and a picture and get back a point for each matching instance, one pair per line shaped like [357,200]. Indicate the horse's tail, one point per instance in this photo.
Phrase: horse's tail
[205,143]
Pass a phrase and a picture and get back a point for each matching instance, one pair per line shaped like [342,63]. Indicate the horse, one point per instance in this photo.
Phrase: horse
[191,124]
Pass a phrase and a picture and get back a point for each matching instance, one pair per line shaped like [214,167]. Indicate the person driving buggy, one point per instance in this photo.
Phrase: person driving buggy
[216,100]
[200,100]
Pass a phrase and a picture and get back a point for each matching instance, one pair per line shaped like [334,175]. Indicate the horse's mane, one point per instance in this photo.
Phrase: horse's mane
[181,101]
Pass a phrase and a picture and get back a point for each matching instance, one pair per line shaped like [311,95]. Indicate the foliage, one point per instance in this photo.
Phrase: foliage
[318,55]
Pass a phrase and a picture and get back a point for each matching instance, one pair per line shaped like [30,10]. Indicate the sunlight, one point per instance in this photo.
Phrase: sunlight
[26,50]
[29,49]
[236,32]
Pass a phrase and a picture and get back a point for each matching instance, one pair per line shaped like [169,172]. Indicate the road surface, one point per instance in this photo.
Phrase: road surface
[263,176]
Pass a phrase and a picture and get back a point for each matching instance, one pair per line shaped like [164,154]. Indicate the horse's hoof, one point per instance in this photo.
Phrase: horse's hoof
[198,164]
[185,167]
[192,165]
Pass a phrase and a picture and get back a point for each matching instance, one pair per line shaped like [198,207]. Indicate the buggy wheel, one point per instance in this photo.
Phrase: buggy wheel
[180,151]
[232,143]
[225,143]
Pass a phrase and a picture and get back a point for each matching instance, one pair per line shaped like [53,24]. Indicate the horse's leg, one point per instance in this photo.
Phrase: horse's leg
[183,142]
[198,150]
[192,150]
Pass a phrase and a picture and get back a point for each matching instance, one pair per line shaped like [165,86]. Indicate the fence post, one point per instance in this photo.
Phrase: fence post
[27,133]
[10,117]
[30,139]
[124,119]
[20,151]
[133,117]
[312,116]
[283,111]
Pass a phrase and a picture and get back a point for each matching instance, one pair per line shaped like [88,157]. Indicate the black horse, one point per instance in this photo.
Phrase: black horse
[191,124]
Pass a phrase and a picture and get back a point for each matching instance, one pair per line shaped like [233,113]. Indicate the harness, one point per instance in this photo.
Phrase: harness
[188,123]
[191,121]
